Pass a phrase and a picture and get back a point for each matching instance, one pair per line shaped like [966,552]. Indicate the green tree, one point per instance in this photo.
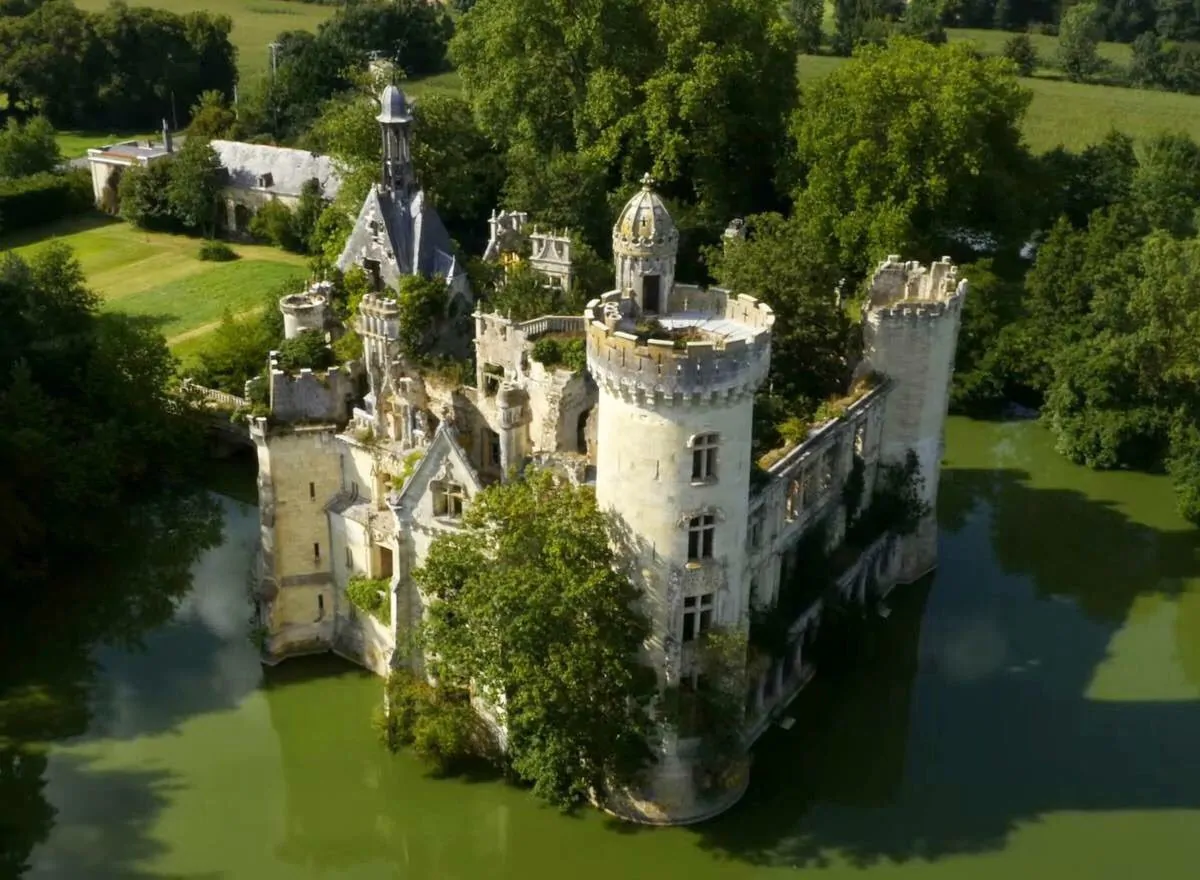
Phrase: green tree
[196,178]
[923,20]
[527,604]
[1019,49]
[275,222]
[862,22]
[308,211]
[1077,42]
[211,117]
[807,16]
[144,197]
[29,148]
[422,303]
[780,264]
[693,91]
[905,176]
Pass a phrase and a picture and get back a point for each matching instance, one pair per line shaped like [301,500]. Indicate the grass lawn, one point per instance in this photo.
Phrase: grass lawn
[255,23]
[74,144]
[160,276]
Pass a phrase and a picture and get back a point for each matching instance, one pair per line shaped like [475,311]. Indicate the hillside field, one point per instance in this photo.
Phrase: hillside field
[160,276]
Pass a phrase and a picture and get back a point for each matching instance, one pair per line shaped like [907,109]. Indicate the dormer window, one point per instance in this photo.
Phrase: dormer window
[266,180]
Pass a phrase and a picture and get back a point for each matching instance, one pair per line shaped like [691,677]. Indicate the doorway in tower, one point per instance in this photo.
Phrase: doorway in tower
[651,294]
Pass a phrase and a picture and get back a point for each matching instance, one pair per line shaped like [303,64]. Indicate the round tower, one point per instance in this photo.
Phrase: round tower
[673,463]
[514,445]
[912,316]
[645,242]
[303,312]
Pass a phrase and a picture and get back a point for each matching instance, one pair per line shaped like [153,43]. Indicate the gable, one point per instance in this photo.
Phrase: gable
[444,462]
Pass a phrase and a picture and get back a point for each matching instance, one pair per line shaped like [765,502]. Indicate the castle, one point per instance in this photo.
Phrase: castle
[356,486]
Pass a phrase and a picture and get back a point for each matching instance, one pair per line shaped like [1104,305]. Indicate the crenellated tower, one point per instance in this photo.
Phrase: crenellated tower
[673,464]
[910,329]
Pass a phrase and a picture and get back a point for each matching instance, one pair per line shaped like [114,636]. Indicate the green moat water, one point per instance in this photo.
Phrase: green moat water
[1032,710]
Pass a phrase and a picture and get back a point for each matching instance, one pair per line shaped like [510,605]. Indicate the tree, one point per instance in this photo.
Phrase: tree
[28,149]
[308,211]
[527,607]
[196,179]
[807,16]
[907,176]
[923,20]
[1019,49]
[697,92]
[422,303]
[1077,42]
[810,344]
[211,117]
[862,22]
[89,419]
[144,197]
[275,222]
[413,32]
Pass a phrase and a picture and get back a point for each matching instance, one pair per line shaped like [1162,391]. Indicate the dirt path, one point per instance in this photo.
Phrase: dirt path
[210,327]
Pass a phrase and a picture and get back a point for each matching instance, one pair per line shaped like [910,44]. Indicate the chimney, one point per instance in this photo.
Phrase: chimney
[167,137]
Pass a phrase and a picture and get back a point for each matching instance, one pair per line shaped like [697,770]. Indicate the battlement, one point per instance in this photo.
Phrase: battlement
[719,345]
[305,311]
[912,291]
[378,316]
[308,396]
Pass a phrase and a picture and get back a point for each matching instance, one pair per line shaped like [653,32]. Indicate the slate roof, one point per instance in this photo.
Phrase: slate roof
[406,236]
[289,169]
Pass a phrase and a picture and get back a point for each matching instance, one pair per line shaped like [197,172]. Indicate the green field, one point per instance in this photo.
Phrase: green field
[74,144]
[255,23]
[147,273]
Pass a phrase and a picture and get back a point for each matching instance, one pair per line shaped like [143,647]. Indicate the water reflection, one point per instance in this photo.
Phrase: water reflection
[1049,670]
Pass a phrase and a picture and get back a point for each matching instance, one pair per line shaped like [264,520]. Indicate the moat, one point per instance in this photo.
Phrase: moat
[1032,709]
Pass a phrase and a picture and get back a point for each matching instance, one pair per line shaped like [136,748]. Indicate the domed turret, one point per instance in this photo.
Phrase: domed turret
[393,106]
[645,242]
[645,226]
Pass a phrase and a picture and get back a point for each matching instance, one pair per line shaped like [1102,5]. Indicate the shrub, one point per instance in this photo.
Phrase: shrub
[371,595]
[217,252]
[31,201]
[1020,50]
[439,725]
[306,350]
[570,354]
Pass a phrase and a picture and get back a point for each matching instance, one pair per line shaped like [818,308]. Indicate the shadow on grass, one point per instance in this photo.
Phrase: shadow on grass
[84,222]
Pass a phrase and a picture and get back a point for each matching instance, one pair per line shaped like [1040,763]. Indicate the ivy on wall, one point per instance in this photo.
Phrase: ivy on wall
[371,595]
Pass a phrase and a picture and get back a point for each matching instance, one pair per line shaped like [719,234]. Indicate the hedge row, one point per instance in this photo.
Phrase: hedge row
[41,198]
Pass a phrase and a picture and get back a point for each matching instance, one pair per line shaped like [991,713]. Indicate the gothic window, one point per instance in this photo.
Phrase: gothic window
[449,499]
[704,458]
[697,616]
[700,536]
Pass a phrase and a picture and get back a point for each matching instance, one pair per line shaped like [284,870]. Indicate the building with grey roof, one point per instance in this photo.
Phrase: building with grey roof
[260,173]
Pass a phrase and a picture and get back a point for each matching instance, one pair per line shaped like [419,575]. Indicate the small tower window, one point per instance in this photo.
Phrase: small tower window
[316,551]
[448,499]
[312,491]
[700,537]
[697,616]
[704,458]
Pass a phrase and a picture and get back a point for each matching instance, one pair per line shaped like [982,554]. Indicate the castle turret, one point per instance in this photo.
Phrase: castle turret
[645,243]
[378,326]
[910,331]
[514,433]
[303,312]
[673,464]
[395,123]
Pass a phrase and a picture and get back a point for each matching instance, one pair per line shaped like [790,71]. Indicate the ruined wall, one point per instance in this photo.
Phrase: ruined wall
[312,397]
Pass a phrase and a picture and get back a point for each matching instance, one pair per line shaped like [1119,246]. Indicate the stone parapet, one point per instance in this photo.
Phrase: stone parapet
[726,361]
[910,290]
[308,396]
[378,316]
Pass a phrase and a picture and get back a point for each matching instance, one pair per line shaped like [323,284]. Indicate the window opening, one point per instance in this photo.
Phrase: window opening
[697,616]
[704,457]
[449,499]
[700,536]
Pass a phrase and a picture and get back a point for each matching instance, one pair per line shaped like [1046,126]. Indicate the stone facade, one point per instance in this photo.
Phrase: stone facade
[659,423]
